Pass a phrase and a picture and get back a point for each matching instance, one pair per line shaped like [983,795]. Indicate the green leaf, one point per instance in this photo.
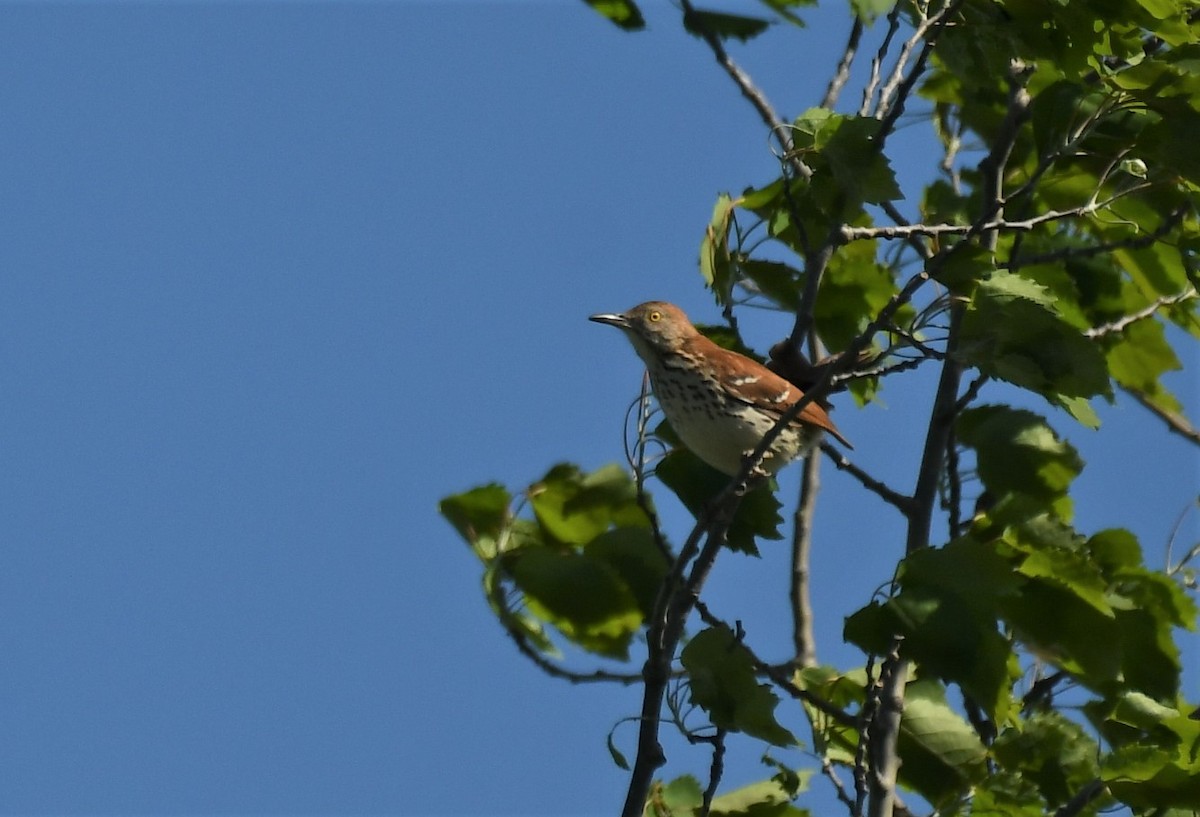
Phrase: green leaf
[724,26]
[1004,794]
[479,515]
[766,798]
[853,290]
[1062,629]
[697,484]
[1016,451]
[1051,752]
[632,555]
[849,154]
[715,265]
[784,9]
[478,512]
[723,683]
[624,13]
[679,798]
[573,507]
[1010,332]
[946,611]
[777,281]
[616,754]
[868,10]
[1156,777]
[940,754]
[1138,358]
[581,595]
[1115,548]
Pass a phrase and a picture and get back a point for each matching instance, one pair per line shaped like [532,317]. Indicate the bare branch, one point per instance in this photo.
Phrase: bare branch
[750,91]
[893,19]
[894,94]
[842,73]
[716,770]
[803,637]
[848,233]
[885,732]
[1119,325]
[677,597]
[840,790]
[894,498]
[1131,243]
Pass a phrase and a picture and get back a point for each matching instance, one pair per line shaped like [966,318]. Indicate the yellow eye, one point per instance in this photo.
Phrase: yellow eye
[654,316]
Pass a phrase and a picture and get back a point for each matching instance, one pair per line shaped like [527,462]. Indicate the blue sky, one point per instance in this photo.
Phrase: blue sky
[277,276]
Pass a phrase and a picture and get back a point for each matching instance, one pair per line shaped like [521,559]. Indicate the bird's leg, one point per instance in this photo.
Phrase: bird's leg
[757,474]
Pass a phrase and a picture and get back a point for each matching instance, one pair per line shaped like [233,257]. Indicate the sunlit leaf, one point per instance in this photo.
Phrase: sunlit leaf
[624,13]
[939,751]
[581,595]
[1016,451]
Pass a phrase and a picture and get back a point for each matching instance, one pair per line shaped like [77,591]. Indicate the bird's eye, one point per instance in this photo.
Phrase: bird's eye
[654,316]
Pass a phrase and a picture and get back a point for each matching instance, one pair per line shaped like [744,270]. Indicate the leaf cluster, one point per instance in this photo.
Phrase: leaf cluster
[1016,664]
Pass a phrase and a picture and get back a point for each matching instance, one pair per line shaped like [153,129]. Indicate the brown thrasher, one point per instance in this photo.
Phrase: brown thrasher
[720,403]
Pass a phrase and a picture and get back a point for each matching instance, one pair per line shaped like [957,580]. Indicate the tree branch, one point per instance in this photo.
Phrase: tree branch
[803,639]
[676,599]
[749,90]
[1119,325]
[842,73]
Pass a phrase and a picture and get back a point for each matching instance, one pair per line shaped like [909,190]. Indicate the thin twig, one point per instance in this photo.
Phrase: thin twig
[775,125]
[1103,248]
[840,790]
[1175,422]
[894,498]
[893,19]
[1119,325]
[716,770]
[778,675]
[842,74]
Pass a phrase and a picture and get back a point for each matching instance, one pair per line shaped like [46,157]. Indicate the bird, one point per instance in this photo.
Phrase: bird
[720,403]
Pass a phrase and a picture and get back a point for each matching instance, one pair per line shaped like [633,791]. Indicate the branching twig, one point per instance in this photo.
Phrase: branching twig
[848,233]
[1119,325]
[840,790]
[637,460]
[574,677]
[749,90]
[894,94]
[1131,243]
[872,83]
[1042,689]
[716,770]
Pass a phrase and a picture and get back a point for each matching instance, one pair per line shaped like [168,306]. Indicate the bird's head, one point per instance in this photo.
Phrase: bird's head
[655,326]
